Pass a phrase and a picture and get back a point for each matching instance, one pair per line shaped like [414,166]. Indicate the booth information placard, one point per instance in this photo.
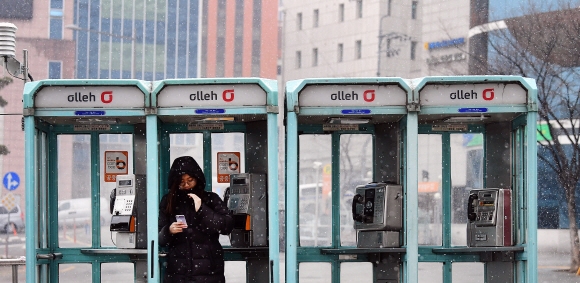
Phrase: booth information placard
[228,163]
[89,97]
[473,94]
[211,95]
[352,95]
[116,163]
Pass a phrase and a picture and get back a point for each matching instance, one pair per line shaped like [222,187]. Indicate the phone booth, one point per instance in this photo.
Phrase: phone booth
[347,180]
[229,126]
[476,179]
[84,142]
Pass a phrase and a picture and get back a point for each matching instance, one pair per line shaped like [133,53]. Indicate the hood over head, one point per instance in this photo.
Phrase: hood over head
[186,165]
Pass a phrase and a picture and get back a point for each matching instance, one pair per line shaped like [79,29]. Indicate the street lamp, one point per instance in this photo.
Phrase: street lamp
[133,39]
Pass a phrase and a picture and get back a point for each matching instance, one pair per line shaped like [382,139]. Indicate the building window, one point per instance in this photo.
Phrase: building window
[358,49]
[359,9]
[298,59]
[340,52]
[341,13]
[315,18]
[314,57]
[299,21]
[413,49]
[56,19]
[414,10]
[389,7]
[54,70]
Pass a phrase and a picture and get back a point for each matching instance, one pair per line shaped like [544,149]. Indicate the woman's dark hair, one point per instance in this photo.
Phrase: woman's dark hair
[183,165]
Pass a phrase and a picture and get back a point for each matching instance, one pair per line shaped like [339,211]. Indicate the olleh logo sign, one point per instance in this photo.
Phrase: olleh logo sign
[488,94]
[368,95]
[227,95]
[106,97]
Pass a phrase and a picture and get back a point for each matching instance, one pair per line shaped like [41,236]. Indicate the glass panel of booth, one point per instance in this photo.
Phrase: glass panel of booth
[314,191]
[74,190]
[77,272]
[430,204]
[117,272]
[111,143]
[466,175]
[356,167]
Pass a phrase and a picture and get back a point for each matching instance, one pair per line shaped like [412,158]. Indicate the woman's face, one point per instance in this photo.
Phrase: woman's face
[187,182]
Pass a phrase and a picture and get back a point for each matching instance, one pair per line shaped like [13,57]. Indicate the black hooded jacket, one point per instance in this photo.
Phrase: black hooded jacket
[194,255]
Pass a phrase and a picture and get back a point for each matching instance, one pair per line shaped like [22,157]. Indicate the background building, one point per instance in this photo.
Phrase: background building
[110,39]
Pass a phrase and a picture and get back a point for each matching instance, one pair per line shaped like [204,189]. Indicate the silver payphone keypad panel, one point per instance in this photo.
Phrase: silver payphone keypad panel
[485,208]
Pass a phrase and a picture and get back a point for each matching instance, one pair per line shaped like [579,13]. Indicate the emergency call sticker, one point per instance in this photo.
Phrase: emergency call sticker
[228,163]
[116,163]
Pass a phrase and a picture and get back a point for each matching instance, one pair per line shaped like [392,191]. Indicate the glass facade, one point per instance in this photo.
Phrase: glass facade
[148,40]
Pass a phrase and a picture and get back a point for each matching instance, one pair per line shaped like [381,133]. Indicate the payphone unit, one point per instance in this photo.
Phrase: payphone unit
[377,210]
[248,204]
[490,218]
[123,219]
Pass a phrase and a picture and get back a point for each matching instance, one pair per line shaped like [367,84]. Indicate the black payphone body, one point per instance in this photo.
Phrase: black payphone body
[377,210]
[248,203]
[489,216]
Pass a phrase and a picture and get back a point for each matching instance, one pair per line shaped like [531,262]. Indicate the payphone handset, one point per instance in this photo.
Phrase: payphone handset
[248,204]
[377,211]
[489,216]
[123,220]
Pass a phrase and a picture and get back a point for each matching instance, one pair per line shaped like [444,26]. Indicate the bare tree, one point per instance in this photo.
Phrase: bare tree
[546,46]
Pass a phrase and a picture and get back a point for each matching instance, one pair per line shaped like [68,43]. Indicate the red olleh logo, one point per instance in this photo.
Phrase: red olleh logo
[369,95]
[107,96]
[488,94]
[228,95]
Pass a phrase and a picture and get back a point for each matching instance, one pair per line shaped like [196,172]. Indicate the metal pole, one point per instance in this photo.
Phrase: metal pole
[133,38]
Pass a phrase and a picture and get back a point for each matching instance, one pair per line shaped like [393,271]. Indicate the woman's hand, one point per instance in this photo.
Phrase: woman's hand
[177,227]
[196,201]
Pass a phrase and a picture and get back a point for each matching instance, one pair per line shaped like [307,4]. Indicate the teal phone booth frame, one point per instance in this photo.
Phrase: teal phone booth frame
[41,124]
[511,125]
[180,114]
[395,113]
[420,115]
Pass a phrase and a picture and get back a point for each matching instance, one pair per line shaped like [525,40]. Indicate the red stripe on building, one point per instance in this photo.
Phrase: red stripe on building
[211,38]
[230,38]
[269,40]
[247,46]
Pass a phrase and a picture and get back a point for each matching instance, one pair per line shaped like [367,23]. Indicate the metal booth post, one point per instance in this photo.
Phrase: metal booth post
[229,125]
[477,177]
[351,211]
[83,141]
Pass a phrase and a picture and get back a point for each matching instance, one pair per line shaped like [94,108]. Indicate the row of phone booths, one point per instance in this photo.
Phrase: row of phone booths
[330,180]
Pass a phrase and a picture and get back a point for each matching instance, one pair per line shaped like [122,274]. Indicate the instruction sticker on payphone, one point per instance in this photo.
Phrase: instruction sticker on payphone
[490,218]
[123,220]
[377,211]
[248,204]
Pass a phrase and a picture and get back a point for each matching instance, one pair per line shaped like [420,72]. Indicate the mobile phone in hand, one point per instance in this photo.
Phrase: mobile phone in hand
[181,219]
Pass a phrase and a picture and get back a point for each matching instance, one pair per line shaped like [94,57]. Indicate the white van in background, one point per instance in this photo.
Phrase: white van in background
[78,212]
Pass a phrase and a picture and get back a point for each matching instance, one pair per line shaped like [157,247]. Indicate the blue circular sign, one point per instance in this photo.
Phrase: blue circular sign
[11,181]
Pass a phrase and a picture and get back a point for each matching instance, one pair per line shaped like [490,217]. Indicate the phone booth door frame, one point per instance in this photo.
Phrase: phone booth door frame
[316,110]
[518,113]
[178,105]
[42,252]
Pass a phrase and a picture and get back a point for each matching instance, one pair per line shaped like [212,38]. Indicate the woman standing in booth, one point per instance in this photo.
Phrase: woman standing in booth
[190,222]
